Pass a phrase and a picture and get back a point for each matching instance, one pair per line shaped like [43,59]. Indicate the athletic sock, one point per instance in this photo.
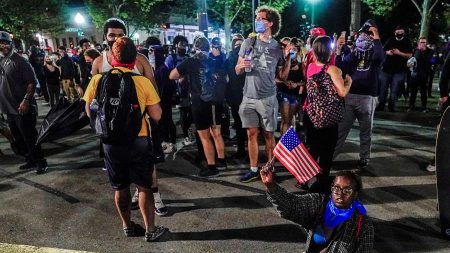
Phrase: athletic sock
[254,169]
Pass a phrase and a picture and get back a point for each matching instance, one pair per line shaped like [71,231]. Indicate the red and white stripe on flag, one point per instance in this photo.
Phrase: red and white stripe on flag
[298,161]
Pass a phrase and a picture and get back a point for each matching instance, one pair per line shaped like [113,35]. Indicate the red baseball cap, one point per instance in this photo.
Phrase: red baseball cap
[317,31]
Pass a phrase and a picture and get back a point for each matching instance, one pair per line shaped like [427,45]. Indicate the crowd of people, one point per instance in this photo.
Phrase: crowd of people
[258,80]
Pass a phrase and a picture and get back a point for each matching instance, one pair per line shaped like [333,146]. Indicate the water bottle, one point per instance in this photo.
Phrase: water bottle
[248,58]
[94,106]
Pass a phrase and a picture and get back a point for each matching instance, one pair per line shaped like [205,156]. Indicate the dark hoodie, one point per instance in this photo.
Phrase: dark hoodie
[365,82]
[166,87]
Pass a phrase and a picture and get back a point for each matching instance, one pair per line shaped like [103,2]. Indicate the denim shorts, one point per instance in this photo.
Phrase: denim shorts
[287,98]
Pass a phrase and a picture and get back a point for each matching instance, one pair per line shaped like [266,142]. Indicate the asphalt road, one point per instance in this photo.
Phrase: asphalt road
[71,206]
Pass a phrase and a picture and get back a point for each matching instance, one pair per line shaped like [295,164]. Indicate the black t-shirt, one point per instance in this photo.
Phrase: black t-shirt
[52,77]
[396,63]
[295,75]
[15,75]
[423,58]
[194,69]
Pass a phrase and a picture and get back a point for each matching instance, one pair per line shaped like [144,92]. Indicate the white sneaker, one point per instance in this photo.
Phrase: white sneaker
[160,208]
[431,168]
[135,200]
[168,147]
[187,141]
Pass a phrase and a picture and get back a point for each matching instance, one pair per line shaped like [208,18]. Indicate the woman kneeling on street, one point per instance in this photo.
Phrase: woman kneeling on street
[335,224]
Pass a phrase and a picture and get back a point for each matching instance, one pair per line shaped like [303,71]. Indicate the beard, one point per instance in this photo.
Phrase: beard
[110,44]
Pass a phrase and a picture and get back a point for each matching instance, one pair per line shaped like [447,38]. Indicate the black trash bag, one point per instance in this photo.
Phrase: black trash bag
[63,120]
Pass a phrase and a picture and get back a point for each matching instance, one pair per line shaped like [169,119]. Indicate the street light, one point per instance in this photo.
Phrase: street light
[313,5]
[79,19]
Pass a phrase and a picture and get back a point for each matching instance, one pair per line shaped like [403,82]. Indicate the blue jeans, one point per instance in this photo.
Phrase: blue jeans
[392,81]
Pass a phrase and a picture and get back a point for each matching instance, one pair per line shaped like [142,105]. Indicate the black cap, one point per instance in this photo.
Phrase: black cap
[215,42]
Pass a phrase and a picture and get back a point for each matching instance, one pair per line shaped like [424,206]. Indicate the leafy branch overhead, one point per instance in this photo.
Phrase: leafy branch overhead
[30,17]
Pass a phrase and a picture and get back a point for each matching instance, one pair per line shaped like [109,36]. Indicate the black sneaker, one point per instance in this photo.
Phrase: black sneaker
[27,166]
[41,168]
[363,163]
[221,164]
[208,173]
[155,235]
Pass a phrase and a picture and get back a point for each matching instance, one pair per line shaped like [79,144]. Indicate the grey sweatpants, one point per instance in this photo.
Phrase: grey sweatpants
[361,107]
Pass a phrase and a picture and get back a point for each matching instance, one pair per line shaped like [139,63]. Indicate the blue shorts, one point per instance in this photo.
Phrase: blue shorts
[287,98]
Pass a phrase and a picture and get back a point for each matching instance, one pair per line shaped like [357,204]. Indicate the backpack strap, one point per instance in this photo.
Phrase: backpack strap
[358,226]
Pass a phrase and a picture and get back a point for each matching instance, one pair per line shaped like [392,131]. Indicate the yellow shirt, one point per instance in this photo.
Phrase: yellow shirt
[145,91]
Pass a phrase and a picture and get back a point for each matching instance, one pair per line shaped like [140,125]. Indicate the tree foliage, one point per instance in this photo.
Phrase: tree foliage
[239,12]
[28,17]
[139,14]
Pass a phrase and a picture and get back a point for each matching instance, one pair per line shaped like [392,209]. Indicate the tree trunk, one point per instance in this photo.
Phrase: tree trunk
[425,21]
[355,22]
[227,27]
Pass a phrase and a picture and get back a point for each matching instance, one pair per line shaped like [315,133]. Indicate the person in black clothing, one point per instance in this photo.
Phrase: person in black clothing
[172,61]
[444,83]
[166,89]
[235,93]
[398,51]
[207,116]
[89,56]
[421,72]
[85,68]
[37,62]
[17,85]
[68,74]
[52,75]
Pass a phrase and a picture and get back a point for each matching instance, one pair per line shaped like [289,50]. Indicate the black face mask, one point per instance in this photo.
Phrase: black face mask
[110,43]
[399,36]
[181,51]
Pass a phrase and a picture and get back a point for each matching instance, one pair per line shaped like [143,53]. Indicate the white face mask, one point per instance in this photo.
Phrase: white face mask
[69,54]
[308,47]
[151,59]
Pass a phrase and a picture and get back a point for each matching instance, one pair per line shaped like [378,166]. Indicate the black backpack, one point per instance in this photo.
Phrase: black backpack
[213,80]
[118,119]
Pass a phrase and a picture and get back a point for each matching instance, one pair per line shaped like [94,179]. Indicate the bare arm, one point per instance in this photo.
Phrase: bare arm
[400,53]
[87,108]
[342,86]
[283,72]
[174,74]
[147,68]
[96,65]
[154,111]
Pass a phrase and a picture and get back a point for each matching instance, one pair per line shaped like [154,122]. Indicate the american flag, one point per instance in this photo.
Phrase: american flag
[291,152]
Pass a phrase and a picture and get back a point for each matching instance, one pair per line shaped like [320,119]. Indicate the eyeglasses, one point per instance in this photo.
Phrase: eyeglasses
[339,190]
[422,42]
[217,48]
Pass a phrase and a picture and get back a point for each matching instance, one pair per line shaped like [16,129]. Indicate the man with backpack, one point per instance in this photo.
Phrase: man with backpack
[263,60]
[207,90]
[117,103]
